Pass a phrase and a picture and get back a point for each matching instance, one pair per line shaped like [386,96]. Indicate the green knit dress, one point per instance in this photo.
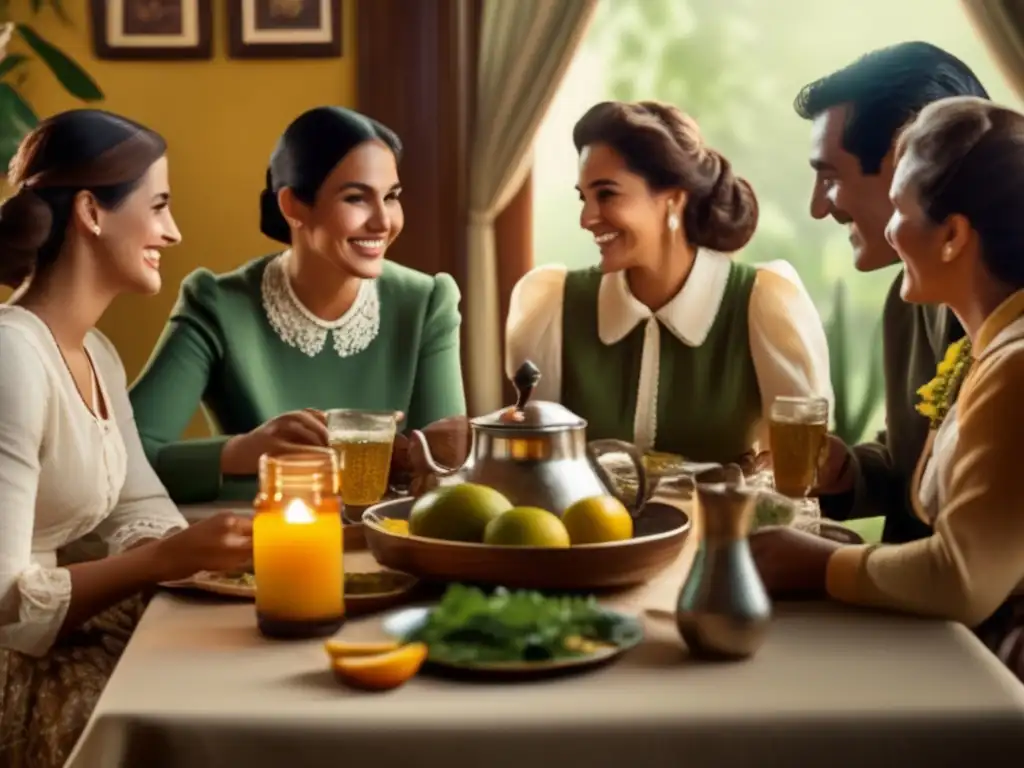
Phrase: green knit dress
[224,349]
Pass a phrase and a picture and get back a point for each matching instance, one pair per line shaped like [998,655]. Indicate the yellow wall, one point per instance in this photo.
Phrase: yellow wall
[221,118]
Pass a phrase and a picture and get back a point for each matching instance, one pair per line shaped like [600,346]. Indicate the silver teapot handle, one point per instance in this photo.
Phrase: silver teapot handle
[598,448]
[419,440]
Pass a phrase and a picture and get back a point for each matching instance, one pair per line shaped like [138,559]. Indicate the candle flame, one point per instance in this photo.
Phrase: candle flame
[298,513]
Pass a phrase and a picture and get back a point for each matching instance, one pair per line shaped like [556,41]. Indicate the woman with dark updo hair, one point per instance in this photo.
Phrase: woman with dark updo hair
[668,343]
[327,323]
[958,227]
[88,221]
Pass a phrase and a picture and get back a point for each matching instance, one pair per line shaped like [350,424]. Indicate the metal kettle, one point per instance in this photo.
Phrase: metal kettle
[536,454]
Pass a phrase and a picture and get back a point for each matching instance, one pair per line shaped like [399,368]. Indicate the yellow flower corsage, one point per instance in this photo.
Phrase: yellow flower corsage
[939,394]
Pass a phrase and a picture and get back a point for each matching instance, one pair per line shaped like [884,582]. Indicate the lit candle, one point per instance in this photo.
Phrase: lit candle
[297,547]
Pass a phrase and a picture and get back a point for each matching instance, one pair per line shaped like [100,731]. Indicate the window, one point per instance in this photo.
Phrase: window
[735,66]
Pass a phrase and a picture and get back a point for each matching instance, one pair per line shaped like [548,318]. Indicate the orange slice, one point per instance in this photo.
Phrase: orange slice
[383,671]
[339,649]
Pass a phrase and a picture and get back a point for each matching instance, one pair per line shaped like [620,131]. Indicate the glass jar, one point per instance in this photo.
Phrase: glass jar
[297,546]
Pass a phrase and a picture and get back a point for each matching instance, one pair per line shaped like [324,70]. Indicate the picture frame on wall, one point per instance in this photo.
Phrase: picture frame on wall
[152,30]
[284,29]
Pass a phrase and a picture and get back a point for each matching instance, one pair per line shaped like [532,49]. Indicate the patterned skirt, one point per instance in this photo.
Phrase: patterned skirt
[46,702]
[1003,633]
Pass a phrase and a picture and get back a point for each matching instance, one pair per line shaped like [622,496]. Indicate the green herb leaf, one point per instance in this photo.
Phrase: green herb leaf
[16,119]
[10,62]
[75,80]
[468,626]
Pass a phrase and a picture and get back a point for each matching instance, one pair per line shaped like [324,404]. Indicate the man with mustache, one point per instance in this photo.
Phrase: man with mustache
[856,115]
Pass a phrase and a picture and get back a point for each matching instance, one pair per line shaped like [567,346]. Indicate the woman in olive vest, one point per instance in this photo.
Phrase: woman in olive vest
[668,343]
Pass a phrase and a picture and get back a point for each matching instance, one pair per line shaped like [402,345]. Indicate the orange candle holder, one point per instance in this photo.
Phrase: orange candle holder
[298,546]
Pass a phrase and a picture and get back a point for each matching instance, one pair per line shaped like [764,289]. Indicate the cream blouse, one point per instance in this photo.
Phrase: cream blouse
[64,473]
[787,340]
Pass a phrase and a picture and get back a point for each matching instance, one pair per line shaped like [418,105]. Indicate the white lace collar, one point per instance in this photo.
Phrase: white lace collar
[298,327]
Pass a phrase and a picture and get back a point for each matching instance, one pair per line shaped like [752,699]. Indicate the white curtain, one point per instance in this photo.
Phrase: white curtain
[525,48]
[1001,24]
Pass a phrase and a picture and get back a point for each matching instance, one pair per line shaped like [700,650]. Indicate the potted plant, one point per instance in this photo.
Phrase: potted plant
[16,115]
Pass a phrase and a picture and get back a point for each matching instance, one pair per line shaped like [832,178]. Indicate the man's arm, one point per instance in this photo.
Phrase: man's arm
[876,486]
[876,474]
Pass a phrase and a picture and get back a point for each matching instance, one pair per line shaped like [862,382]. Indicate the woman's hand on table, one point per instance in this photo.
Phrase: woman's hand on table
[288,432]
[792,563]
[219,543]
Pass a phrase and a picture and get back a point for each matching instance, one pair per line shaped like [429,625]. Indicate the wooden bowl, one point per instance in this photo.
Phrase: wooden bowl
[659,534]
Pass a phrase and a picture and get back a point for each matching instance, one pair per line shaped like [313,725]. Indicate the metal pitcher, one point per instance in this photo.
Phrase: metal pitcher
[723,610]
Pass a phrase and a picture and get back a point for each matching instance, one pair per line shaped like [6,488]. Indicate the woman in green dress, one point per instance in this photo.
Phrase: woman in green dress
[668,343]
[327,323]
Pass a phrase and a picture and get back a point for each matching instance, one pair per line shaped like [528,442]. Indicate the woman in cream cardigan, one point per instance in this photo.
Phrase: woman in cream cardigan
[958,226]
[88,222]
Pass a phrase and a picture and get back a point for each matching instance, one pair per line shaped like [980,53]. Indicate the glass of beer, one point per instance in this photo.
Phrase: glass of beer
[363,441]
[797,432]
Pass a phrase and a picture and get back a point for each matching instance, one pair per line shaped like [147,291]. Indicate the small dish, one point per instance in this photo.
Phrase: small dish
[395,589]
[660,467]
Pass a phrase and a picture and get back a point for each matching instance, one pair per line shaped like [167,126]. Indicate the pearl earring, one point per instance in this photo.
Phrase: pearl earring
[96,229]
[947,253]
[673,222]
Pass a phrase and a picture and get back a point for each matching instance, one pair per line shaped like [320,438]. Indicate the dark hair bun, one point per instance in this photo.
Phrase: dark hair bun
[725,218]
[25,224]
[663,144]
[272,221]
